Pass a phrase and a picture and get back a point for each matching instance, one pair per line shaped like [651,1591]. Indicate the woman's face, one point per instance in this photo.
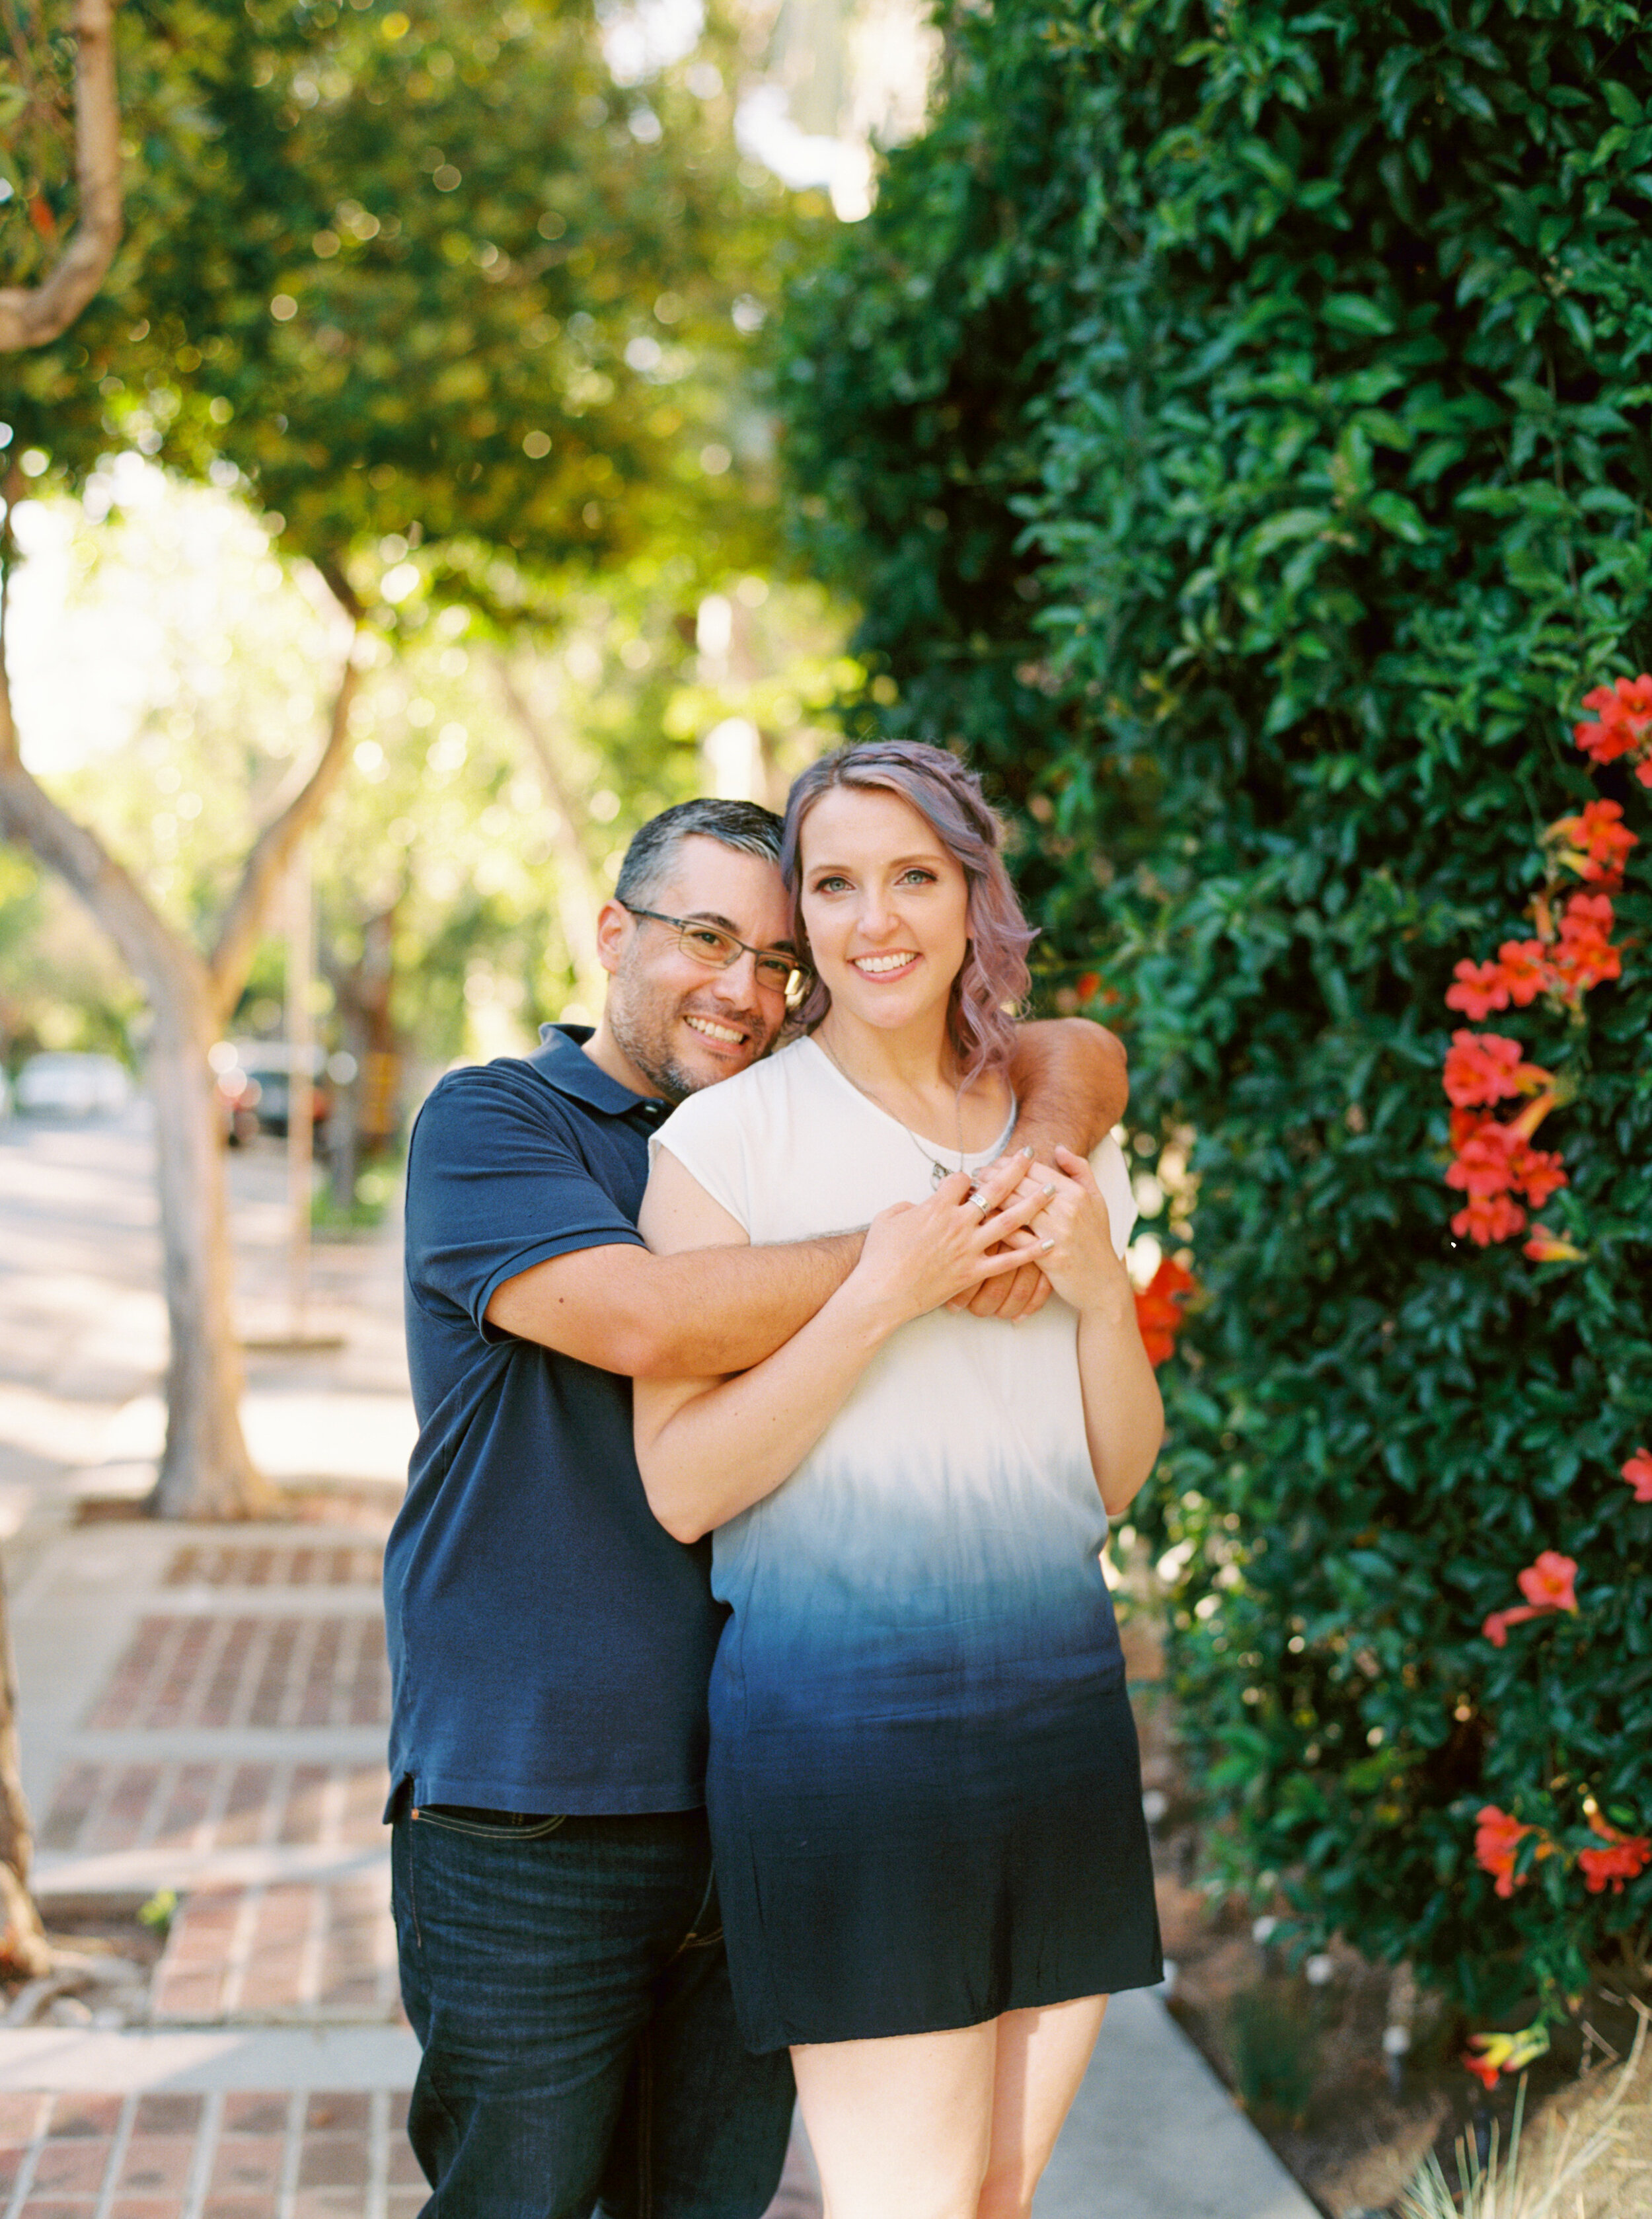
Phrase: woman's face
[884,905]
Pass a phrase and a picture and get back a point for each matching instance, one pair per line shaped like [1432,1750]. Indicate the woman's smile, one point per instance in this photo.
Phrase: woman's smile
[886,965]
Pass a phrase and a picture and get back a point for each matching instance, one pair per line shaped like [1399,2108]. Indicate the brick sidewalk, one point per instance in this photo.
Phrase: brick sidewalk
[218,1745]
[244,2154]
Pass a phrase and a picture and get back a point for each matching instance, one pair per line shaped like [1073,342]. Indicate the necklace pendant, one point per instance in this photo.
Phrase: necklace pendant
[937,1172]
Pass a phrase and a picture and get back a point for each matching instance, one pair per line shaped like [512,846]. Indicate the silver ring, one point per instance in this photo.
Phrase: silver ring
[980,1201]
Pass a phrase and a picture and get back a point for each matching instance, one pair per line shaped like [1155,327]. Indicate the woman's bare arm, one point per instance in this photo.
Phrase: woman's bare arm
[709,1448]
[1124,1418]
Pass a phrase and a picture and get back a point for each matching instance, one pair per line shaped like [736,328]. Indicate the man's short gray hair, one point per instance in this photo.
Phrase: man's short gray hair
[744,825]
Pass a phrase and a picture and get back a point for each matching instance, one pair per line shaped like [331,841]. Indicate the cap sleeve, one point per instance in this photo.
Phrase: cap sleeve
[706,1133]
[495,1186]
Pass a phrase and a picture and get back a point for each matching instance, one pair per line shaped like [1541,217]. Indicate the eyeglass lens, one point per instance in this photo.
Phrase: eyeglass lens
[718,949]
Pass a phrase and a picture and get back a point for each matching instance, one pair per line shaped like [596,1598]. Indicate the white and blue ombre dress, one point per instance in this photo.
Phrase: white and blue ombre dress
[924,1789]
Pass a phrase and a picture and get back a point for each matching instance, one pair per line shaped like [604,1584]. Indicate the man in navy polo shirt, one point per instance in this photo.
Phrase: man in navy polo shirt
[550,1645]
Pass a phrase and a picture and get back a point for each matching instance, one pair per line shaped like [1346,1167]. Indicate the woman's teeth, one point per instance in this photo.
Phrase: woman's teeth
[872,965]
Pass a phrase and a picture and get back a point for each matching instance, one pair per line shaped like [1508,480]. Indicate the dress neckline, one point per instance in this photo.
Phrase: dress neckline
[974,1159]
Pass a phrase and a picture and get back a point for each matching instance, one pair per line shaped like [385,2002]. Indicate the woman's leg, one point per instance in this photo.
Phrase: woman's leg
[1042,2057]
[901,2128]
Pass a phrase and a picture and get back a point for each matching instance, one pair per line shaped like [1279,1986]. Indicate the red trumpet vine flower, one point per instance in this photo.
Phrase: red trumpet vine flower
[1547,1247]
[1638,1472]
[1498,1836]
[1595,843]
[1623,723]
[1488,1067]
[1548,1586]
[1158,1309]
[1489,2054]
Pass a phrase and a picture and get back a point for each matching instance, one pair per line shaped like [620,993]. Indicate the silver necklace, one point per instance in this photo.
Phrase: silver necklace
[937,1170]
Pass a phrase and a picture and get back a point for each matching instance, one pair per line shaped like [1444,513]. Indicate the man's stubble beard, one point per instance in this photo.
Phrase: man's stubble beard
[642,1030]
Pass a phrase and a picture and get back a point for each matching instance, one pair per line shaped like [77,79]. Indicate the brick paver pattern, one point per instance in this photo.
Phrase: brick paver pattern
[154,1804]
[306,1950]
[237,2156]
[202,1670]
[273,1564]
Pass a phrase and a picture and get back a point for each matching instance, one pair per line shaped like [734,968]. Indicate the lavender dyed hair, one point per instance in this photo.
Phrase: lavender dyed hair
[994,979]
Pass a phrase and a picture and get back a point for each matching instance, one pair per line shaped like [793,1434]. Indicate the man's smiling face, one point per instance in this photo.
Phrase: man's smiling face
[678,1023]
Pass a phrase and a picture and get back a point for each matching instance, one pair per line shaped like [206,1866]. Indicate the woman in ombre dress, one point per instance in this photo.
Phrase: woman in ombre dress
[924,1788]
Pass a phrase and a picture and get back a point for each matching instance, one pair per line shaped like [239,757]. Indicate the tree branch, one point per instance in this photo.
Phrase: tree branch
[30,316]
[244,919]
[28,814]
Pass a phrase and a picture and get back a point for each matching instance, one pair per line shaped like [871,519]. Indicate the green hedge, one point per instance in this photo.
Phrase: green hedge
[1235,423]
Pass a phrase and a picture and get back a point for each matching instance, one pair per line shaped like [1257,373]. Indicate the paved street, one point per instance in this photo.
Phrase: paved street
[203,1710]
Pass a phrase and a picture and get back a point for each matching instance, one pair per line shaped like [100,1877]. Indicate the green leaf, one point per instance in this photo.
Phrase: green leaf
[1398,516]
[1354,311]
[1622,102]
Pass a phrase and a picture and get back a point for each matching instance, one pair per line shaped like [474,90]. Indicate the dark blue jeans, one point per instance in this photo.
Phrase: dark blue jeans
[567,1982]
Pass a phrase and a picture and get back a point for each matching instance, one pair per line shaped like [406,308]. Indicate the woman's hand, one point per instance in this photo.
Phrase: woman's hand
[919,1255]
[1078,1256]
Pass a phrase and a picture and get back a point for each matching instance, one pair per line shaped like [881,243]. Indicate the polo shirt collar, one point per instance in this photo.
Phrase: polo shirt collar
[562,1062]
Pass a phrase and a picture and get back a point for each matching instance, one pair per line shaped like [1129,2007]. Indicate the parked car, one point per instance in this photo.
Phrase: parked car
[255,1088]
[72,1086]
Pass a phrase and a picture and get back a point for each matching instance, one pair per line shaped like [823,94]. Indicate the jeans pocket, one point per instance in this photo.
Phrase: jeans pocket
[487,1825]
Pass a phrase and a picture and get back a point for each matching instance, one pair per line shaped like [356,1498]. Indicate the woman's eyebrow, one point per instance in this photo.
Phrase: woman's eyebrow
[896,863]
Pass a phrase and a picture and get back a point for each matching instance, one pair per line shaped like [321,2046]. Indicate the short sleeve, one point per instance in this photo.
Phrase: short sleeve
[1113,1177]
[495,1186]
[707,1136]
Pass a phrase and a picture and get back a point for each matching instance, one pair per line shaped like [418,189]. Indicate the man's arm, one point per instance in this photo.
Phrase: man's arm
[1071,1080]
[698,1314]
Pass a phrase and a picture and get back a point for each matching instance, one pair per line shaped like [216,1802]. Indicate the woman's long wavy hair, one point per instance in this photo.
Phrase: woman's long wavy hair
[993,981]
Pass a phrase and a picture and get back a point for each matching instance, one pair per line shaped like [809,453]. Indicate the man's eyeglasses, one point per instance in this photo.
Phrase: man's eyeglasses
[711,945]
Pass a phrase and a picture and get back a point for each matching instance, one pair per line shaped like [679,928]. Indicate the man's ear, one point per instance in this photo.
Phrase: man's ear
[615,925]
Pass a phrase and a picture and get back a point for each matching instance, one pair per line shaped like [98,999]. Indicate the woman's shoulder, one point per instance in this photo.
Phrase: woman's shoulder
[749,1098]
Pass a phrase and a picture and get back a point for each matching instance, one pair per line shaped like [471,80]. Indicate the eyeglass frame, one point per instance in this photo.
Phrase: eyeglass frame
[798,975]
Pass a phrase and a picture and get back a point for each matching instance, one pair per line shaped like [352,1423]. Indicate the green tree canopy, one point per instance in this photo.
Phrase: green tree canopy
[427,273]
[1236,420]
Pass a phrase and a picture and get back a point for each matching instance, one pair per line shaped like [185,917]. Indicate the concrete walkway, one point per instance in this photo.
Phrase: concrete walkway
[203,1710]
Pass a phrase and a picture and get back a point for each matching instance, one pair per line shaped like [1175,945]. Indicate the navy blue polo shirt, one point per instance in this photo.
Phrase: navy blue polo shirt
[550,1645]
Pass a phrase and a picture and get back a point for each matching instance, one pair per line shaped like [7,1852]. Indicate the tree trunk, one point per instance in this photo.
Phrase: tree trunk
[206,1471]
[32,316]
[363,1114]
[22,1944]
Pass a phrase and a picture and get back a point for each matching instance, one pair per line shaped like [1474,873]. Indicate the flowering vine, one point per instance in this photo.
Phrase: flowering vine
[1499,1099]
[1494,1165]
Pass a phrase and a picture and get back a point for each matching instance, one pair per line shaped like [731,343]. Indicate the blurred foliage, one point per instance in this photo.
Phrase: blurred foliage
[444,825]
[425,272]
[1235,421]
[475,326]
